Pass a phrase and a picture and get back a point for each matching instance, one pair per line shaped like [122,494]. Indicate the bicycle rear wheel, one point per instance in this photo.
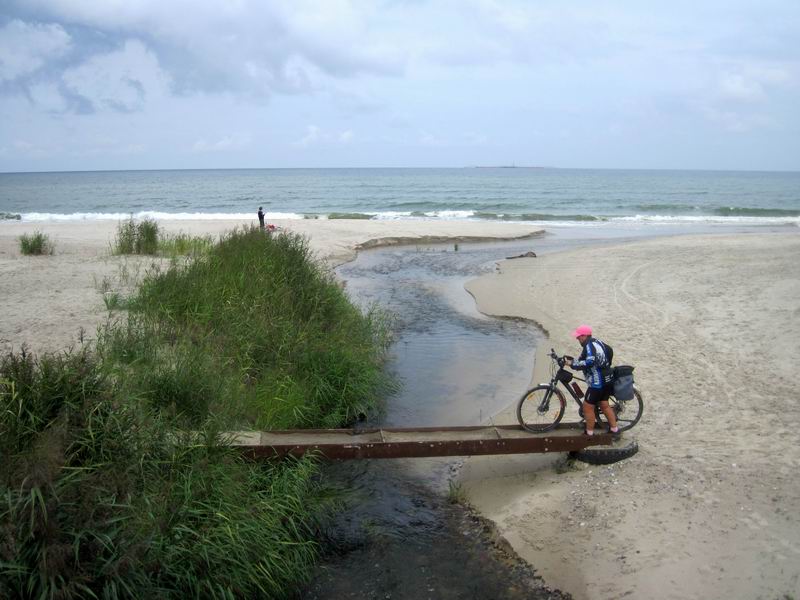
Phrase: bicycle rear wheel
[541,408]
[628,412]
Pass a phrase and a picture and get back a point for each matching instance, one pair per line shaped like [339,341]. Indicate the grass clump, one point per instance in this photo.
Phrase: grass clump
[116,482]
[283,335]
[99,499]
[456,494]
[36,243]
[182,244]
[136,237]
[145,237]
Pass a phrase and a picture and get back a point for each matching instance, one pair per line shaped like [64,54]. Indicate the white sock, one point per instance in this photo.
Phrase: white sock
[590,432]
[615,429]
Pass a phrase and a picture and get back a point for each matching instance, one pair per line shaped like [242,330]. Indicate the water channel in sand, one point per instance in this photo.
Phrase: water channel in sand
[399,537]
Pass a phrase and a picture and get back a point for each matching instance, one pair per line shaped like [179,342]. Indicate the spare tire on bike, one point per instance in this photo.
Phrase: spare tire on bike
[623,382]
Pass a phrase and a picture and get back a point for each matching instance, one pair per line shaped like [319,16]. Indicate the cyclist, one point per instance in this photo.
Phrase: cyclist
[594,363]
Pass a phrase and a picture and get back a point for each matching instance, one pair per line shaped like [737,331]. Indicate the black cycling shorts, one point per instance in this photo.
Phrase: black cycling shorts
[595,396]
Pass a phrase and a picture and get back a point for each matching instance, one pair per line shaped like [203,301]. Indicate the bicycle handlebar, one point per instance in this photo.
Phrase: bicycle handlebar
[561,360]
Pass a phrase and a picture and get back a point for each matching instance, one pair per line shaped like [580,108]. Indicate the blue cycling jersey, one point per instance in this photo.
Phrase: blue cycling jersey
[592,361]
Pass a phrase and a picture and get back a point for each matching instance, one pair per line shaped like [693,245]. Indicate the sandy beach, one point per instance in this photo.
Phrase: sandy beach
[707,509]
[52,302]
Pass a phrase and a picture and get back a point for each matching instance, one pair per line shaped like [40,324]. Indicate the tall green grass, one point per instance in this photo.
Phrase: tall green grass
[115,481]
[282,334]
[99,499]
[182,244]
[36,243]
[136,237]
[145,237]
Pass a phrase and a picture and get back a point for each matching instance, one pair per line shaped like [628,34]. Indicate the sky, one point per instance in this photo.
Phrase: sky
[177,84]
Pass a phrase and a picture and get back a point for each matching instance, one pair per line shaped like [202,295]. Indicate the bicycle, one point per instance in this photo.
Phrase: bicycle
[541,408]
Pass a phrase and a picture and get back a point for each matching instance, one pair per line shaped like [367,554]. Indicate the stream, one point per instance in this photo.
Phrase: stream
[400,536]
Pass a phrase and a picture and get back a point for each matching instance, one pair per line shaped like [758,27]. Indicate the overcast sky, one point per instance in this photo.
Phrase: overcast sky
[138,84]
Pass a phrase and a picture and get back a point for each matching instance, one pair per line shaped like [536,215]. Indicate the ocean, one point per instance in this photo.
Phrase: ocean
[547,195]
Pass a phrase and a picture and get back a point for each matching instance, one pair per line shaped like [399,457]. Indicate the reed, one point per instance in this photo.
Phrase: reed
[100,499]
[105,493]
[136,237]
[281,332]
[182,244]
[145,237]
[36,243]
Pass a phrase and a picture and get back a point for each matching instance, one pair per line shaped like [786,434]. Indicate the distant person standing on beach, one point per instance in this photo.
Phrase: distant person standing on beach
[261,217]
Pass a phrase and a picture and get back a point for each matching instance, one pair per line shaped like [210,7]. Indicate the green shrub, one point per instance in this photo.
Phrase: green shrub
[145,237]
[136,237]
[116,482]
[264,309]
[101,499]
[36,243]
[182,244]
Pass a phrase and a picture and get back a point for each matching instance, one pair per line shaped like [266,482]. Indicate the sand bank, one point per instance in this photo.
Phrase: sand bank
[710,507]
[52,302]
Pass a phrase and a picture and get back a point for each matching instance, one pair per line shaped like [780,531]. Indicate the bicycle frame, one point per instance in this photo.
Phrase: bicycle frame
[563,376]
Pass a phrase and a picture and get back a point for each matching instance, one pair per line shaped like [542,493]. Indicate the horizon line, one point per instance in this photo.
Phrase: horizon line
[487,167]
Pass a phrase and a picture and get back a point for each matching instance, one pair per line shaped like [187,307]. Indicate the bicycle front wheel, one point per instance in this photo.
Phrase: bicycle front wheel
[541,408]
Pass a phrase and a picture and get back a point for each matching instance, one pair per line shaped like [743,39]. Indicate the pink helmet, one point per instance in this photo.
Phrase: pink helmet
[582,330]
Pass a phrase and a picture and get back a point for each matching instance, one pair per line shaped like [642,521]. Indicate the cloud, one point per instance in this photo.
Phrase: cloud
[740,88]
[315,135]
[25,48]
[223,144]
[47,97]
[248,46]
[426,138]
[123,80]
[28,149]
[736,121]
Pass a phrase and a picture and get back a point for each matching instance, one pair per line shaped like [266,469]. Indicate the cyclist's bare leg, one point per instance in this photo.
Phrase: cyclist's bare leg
[588,415]
[611,418]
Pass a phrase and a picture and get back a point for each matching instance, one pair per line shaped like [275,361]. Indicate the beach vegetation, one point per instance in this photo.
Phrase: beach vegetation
[114,301]
[456,494]
[136,237]
[117,481]
[182,244]
[145,237]
[36,244]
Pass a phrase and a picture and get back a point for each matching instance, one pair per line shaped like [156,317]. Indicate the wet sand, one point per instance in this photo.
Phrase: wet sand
[709,506]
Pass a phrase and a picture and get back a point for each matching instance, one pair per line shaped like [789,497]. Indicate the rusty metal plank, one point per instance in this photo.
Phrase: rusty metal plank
[522,443]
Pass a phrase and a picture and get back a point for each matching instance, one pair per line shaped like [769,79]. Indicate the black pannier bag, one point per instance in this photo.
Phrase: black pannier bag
[623,382]
[564,376]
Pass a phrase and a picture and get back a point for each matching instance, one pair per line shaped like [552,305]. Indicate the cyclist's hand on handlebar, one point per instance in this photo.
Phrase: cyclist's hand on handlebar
[568,361]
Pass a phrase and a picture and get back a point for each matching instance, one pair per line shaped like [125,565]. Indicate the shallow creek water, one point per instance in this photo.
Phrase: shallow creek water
[400,537]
